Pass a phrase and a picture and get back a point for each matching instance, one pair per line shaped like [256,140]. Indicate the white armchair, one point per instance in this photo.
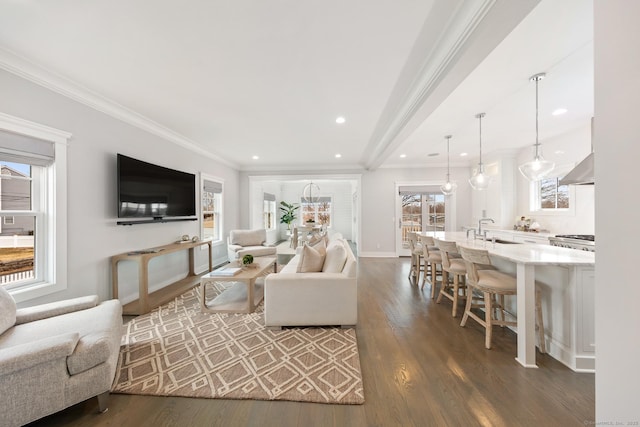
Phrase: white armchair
[254,242]
[55,355]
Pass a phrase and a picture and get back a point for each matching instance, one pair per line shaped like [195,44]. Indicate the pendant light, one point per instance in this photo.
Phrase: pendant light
[537,168]
[480,180]
[311,192]
[450,187]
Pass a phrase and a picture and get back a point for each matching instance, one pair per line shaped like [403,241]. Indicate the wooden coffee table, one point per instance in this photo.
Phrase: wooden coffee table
[244,295]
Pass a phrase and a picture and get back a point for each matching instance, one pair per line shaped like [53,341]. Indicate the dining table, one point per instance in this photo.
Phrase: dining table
[526,257]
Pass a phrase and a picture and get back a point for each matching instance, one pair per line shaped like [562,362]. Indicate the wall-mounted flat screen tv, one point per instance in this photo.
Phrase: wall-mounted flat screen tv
[146,190]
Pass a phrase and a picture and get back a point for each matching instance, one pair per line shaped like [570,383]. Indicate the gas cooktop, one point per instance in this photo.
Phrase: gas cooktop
[589,237]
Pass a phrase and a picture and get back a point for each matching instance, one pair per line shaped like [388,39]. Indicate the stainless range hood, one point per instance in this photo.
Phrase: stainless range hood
[582,174]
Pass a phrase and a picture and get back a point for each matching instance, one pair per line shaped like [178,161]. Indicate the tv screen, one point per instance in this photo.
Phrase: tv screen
[146,190]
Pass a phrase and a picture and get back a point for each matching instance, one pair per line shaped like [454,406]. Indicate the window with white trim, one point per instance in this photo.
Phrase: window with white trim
[211,208]
[550,196]
[33,208]
[318,211]
[269,211]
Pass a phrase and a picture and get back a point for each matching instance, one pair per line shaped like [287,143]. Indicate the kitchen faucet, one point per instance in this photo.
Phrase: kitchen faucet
[482,220]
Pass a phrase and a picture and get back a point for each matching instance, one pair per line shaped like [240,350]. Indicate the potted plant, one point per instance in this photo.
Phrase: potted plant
[288,213]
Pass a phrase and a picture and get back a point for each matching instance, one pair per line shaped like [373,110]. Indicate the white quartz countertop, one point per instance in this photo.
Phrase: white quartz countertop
[521,252]
[488,228]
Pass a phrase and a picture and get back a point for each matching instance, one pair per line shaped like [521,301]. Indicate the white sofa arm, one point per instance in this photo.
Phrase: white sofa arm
[44,311]
[24,356]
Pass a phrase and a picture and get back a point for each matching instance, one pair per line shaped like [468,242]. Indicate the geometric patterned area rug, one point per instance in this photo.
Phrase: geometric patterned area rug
[175,350]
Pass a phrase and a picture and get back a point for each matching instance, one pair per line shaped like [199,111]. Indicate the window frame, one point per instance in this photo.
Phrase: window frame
[269,214]
[535,193]
[50,199]
[315,211]
[218,212]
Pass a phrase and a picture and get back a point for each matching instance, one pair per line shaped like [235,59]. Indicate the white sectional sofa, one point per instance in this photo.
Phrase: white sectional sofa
[293,298]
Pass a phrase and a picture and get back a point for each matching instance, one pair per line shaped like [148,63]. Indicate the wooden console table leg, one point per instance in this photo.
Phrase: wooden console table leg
[143,285]
[114,279]
[210,256]
[192,262]
[251,283]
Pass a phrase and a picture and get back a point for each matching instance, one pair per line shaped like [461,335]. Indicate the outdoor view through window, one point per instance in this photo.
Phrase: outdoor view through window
[17,224]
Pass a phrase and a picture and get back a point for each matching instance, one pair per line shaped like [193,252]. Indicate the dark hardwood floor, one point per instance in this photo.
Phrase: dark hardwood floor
[420,368]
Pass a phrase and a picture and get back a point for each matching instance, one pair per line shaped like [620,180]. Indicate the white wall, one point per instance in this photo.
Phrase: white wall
[378,215]
[340,193]
[617,150]
[93,236]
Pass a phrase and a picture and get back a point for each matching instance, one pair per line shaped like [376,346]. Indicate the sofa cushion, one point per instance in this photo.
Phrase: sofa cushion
[335,258]
[311,261]
[319,245]
[7,310]
[248,237]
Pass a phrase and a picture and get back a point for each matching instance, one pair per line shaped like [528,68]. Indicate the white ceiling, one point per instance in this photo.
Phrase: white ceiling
[249,77]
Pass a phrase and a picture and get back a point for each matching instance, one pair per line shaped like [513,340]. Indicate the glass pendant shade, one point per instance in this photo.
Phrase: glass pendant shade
[449,187]
[480,180]
[311,193]
[537,168]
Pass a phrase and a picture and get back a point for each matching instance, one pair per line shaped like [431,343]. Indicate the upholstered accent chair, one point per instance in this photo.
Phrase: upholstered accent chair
[254,242]
[53,356]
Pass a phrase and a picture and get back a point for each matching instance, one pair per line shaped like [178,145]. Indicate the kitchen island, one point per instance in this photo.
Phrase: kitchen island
[567,282]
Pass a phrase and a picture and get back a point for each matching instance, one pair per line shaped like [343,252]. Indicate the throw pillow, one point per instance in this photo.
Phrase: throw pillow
[311,261]
[320,246]
[7,310]
[335,259]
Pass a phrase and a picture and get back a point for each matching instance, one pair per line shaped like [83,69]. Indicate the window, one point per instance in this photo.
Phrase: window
[318,212]
[33,208]
[17,236]
[551,195]
[269,212]
[211,209]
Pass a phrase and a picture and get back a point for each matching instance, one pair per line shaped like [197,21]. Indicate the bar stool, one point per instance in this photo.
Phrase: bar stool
[433,258]
[494,285]
[452,264]
[417,265]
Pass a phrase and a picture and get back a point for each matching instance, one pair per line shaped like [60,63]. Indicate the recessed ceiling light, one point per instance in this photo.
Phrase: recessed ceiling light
[255,157]
[338,155]
[464,154]
[340,120]
[559,111]
[402,156]
[558,152]
[433,154]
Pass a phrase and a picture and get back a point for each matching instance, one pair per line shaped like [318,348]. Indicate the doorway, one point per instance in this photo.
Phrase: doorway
[419,208]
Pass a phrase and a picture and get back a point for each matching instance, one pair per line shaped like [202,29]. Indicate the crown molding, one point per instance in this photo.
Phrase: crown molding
[28,70]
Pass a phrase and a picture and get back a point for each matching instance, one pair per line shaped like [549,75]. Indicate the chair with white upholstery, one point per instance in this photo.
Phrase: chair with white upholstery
[432,258]
[253,242]
[454,266]
[417,265]
[494,285]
